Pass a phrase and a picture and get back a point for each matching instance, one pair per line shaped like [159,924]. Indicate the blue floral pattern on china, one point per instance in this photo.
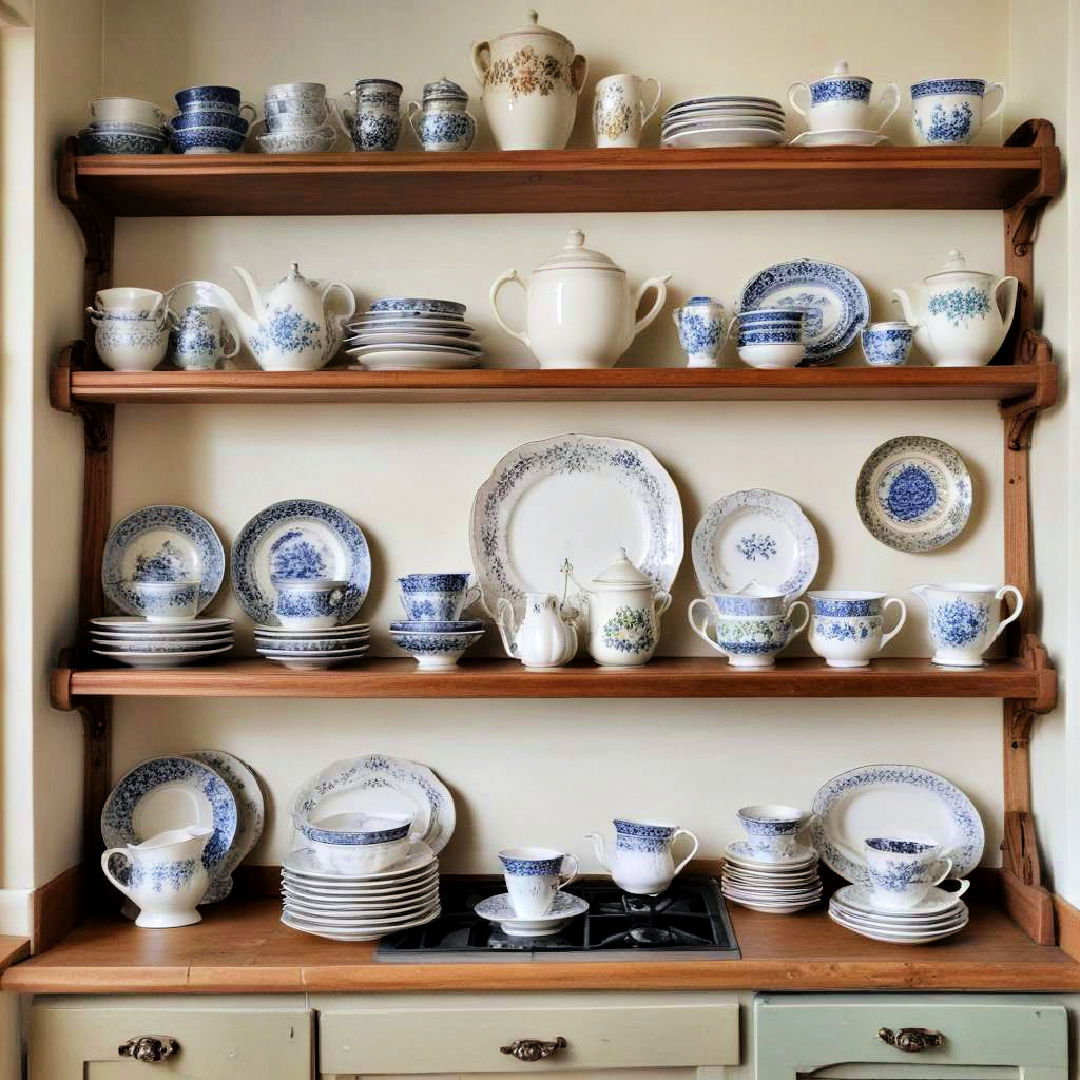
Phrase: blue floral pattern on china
[286,534]
[207,119]
[414,583]
[121,142]
[437,626]
[375,130]
[207,138]
[849,88]
[844,608]
[115,334]
[933,87]
[751,636]
[450,308]
[960,306]
[227,96]
[769,337]
[355,837]
[887,346]
[840,629]
[910,493]
[500,908]
[161,543]
[634,836]
[755,545]
[313,645]
[164,602]
[629,630]
[701,326]
[734,604]
[946,126]
[446,130]
[836,296]
[163,876]
[287,330]
[434,643]
[531,867]
[294,604]
[956,623]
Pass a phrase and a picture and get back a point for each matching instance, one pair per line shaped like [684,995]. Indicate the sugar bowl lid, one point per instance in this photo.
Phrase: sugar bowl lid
[840,71]
[575,256]
[444,90]
[622,574]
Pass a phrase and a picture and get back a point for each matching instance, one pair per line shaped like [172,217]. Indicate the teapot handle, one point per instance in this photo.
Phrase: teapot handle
[791,98]
[894,90]
[660,285]
[504,620]
[481,60]
[344,289]
[1011,295]
[1008,590]
[579,69]
[493,297]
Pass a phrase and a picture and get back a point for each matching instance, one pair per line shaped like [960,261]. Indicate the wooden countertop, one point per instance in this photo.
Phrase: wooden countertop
[243,947]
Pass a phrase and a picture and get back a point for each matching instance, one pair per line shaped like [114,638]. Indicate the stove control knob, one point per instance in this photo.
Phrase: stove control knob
[912,1040]
[533,1049]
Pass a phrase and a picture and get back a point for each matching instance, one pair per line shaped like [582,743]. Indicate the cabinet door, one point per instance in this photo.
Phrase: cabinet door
[79,1039]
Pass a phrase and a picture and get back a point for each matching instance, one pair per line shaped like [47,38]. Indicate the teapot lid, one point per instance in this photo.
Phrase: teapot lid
[955,264]
[534,28]
[841,71]
[444,89]
[575,256]
[622,573]
[294,275]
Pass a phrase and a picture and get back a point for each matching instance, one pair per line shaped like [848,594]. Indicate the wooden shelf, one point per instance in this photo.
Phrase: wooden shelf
[562,181]
[242,947]
[663,677]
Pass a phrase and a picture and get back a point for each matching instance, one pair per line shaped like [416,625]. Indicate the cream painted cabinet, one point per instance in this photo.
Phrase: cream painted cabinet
[79,1038]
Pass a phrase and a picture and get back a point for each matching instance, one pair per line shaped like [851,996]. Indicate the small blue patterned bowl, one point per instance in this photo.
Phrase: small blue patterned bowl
[786,316]
[231,121]
[887,344]
[226,97]
[435,652]
[207,140]
[357,829]
[120,142]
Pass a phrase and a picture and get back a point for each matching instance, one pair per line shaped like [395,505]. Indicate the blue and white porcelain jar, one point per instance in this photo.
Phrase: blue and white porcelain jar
[374,121]
[950,112]
[887,344]
[847,627]
[702,326]
[442,123]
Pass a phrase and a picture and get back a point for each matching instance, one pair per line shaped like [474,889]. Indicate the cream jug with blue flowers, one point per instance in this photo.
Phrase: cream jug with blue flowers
[964,619]
[960,316]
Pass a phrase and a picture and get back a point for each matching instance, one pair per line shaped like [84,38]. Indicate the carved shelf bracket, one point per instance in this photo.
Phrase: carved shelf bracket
[1020,415]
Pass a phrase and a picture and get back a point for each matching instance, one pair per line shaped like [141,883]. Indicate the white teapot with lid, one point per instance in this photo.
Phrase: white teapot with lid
[957,313]
[579,309]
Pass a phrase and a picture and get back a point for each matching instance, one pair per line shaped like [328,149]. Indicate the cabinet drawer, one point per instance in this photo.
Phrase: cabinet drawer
[464,1032]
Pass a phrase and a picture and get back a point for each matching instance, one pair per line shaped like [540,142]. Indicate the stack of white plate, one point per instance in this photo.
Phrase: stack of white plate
[142,644]
[413,333]
[778,887]
[723,121]
[360,907]
[940,915]
[312,650]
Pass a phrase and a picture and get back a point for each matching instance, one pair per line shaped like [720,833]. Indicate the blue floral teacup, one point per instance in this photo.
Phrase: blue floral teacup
[772,831]
[308,603]
[200,341]
[949,112]
[901,871]
[749,641]
[165,601]
[702,326]
[533,876]
[848,628]
[436,597]
[887,344]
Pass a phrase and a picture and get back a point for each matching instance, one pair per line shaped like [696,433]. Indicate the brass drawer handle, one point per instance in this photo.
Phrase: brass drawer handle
[533,1049]
[912,1040]
[149,1048]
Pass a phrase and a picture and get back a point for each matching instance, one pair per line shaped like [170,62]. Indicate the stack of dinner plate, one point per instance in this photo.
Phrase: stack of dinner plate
[143,644]
[723,121]
[360,907]
[939,915]
[312,650]
[413,333]
[778,887]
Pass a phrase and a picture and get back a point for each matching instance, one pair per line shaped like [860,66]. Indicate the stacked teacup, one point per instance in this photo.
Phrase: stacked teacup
[772,337]
[900,901]
[534,904]
[123,125]
[770,870]
[433,631]
[297,119]
[750,630]
[132,328]
[210,121]
[308,635]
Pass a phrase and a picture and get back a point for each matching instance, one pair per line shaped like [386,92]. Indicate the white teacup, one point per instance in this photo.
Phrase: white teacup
[772,831]
[166,601]
[533,876]
[903,870]
[619,111]
[132,110]
[847,628]
[309,603]
[950,112]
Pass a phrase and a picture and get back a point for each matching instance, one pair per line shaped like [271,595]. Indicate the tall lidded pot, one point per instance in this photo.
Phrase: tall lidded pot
[530,79]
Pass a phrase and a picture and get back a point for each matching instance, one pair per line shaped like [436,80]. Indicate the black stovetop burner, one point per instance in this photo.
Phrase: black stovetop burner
[689,921]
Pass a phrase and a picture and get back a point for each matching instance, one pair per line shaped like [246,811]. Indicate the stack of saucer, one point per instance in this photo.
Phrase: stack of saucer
[360,907]
[780,887]
[413,333]
[140,643]
[312,650]
[723,121]
[940,914]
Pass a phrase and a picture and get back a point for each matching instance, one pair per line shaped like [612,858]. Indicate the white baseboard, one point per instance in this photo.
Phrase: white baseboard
[15,912]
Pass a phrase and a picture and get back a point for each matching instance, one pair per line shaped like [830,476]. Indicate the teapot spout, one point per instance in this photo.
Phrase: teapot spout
[905,302]
[598,844]
[258,308]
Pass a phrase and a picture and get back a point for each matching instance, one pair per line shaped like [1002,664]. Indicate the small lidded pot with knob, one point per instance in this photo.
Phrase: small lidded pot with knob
[442,123]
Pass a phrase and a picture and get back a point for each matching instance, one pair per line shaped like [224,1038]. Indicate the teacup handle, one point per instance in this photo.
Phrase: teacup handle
[964,883]
[1008,590]
[894,90]
[663,602]
[250,108]
[337,598]
[572,876]
[693,850]
[886,638]
[105,857]
[797,630]
[702,631]
[412,111]
[794,104]
[947,871]
[504,620]
[993,87]
[647,111]
[472,595]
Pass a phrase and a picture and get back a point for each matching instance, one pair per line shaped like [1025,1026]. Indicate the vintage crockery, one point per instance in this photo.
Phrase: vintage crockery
[357,829]
[308,661]
[751,601]
[914,493]
[440,597]
[500,909]
[938,906]
[206,119]
[771,339]
[165,601]
[722,121]
[207,140]
[373,115]
[544,638]
[640,861]
[887,344]
[964,619]
[127,109]
[212,99]
[130,344]
[165,878]
[950,112]
[579,309]
[121,142]
[702,326]
[200,340]
[124,301]
[621,109]
[295,107]
[813,140]
[154,659]
[531,79]
[772,830]
[625,606]
[442,123]
[292,326]
[847,628]
[344,856]
[534,875]
[435,650]
[306,141]
[748,641]
[957,313]
[309,603]
[841,100]
[902,870]
[875,800]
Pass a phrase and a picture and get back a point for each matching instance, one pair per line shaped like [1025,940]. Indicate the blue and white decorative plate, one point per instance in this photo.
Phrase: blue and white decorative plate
[576,499]
[171,793]
[298,538]
[500,909]
[758,540]
[836,304]
[161,543]
[893,800]
[914,494]
[380,784]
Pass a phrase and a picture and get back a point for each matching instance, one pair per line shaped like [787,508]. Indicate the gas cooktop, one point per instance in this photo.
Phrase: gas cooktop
[690,921]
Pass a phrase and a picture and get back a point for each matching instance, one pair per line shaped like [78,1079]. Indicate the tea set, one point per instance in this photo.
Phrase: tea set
[210,121]
[433,632]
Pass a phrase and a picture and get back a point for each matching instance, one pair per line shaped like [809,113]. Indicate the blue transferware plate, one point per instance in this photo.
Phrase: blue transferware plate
[172,793]
[161,543]
[914,494]
[410,626]
[299,538]
[836,304]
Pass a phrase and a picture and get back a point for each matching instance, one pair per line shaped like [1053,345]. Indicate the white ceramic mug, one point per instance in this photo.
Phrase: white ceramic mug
[950,112]
[847,628]
[964,619]
[619,110]
[903,870]
[533,876]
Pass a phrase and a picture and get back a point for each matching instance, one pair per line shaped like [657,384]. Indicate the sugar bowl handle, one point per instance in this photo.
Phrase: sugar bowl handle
[149,1049]
[533,1049]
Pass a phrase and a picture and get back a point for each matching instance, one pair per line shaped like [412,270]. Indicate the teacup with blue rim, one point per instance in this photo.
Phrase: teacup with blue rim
[358,843]
[751,631]
[440,597]
[949,112]
[887,344]
[772,830]
[308,603]
[533,876]
[902,870]
[847,626]
[166,601]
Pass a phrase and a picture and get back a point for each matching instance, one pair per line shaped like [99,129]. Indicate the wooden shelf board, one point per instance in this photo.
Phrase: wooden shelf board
[663,677]
[242,947]
[904,178]
[1005,382]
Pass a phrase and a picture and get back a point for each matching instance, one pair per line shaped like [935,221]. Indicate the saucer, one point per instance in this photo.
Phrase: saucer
[857,898]
[499,909]
[813,140]
[740,853]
